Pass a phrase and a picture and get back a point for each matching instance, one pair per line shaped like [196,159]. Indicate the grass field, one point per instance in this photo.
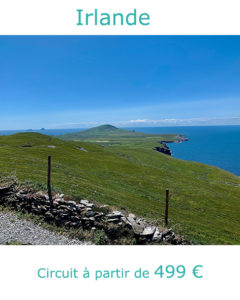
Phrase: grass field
[204,200]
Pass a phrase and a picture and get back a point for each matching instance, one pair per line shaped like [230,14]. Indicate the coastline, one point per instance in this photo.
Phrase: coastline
[165,149]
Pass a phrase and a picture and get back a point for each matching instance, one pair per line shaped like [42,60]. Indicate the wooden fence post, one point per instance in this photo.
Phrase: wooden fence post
[49,182]
[166,207]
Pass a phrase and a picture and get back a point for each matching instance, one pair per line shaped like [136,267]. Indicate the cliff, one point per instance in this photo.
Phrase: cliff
[165,149]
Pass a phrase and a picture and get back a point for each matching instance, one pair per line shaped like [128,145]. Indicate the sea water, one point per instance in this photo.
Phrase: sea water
[213,145]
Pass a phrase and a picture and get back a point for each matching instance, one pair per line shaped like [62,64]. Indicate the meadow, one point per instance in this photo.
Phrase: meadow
[122,170]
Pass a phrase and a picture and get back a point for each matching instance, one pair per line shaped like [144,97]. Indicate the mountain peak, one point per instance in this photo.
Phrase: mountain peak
[103,131]
[107,127]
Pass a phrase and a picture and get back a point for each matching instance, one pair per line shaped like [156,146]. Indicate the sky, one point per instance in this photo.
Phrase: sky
[127,81]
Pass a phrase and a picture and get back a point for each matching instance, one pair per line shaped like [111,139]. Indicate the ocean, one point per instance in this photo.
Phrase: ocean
[213,145]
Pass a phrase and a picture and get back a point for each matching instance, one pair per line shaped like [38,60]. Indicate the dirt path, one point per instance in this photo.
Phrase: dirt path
[15,230]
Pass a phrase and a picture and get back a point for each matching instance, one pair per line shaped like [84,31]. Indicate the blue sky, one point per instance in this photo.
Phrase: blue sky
[83,81]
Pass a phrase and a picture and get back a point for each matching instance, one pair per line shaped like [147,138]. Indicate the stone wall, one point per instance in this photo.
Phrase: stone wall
[85,214]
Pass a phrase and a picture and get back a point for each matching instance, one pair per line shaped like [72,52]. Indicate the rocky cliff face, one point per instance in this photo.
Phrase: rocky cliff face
[163,148]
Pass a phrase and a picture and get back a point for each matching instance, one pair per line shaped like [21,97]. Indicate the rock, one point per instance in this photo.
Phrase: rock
[170,237]
[103,206]
[131,220]
[84,202]
[132,216]
[71,203]
[76,224]
[13,201]
[75,218]
[60,201]
[115,214]
[174,241]
[89,205]
[67,223]
[99,216]
[63,207]
[141,221]
[167,232]
[91,214]
[85,220]
[71,208]
[129,225]
[148,231]
[138,229]
[40,195]
[46,203]
[114,220]
[62,216]
[80,206]
[22,197]
[48,216]
[25,191]
[82,149]
[157,235]
[124,219]
[6,189]
[164,148]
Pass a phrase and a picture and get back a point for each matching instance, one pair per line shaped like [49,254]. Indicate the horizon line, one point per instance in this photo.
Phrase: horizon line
[163,126]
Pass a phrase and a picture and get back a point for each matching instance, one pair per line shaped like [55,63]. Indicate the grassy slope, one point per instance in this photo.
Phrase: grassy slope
[108,135]
[101,131]
[204,204]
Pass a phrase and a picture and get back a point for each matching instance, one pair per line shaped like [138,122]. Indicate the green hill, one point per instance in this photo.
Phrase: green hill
[104,130]
[101,131]
[204,200]
[108,135]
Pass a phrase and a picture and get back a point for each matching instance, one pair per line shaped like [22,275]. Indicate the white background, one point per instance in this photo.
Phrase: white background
[167,16]
[19,265]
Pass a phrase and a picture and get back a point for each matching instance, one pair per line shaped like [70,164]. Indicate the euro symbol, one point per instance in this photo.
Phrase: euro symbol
[195,271]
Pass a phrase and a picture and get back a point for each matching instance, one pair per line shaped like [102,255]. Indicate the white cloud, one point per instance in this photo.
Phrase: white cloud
[181,122]
[139,121]
[152,123]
